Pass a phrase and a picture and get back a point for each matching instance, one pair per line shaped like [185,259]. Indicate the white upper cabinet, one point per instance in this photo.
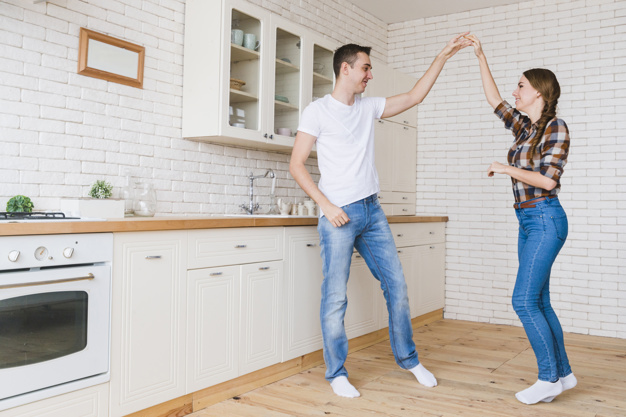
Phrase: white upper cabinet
[387,82]
[248,74]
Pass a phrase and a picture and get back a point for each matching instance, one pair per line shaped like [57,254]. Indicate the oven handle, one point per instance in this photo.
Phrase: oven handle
[89,276]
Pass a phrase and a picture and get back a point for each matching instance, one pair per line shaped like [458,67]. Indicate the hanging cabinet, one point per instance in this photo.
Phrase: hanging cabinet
[282,72]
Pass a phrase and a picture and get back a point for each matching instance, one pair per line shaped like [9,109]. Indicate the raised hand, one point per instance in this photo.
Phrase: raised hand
[478,48]
[456,44]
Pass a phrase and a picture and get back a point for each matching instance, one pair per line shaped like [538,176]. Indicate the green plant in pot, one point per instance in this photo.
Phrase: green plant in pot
[20,204]
[101,189]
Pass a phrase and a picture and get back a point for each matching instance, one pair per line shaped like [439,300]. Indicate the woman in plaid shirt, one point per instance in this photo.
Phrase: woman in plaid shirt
[535,164]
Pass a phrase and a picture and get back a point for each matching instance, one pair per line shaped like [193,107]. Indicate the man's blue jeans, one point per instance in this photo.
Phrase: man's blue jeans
[368,232]
[542,233]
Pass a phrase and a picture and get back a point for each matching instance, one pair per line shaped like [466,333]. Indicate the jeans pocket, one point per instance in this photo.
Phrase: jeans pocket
[560,226]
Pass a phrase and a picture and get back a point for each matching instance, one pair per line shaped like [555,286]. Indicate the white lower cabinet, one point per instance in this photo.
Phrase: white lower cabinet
[87,402]
[363,299]
[148,320]
[212,326]
[259,327]
[302,332]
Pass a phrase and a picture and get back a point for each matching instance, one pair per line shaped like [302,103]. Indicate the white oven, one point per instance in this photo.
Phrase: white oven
[55,298]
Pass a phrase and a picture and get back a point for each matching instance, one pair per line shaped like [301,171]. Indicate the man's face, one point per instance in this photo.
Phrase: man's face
[360,73]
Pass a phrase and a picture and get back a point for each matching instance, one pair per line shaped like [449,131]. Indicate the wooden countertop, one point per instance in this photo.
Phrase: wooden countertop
[136,224]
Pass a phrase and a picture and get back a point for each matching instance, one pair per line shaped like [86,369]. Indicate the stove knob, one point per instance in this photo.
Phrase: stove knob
[68,252]
[13,255]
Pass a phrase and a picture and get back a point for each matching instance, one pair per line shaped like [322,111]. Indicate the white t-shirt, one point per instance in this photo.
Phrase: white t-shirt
[345,146]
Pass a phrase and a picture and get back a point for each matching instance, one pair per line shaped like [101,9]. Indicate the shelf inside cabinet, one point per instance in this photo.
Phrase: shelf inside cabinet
[283,67]
[321,79]
[280,105]
[239,53]
[237,96]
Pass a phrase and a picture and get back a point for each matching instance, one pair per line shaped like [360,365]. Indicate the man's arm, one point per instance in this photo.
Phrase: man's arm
[401,102]
[300,153]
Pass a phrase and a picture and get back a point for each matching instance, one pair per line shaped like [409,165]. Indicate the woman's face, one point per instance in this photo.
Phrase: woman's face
[526,97]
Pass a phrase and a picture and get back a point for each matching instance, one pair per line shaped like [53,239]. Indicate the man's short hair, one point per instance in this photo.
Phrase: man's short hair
[348,53]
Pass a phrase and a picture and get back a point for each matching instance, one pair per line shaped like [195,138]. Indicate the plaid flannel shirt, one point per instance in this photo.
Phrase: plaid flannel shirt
[550,154]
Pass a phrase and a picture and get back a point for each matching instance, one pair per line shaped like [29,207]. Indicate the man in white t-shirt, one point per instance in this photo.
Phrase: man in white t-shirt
[341,124]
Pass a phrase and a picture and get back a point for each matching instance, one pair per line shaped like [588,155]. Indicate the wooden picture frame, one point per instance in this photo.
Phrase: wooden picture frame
[108,58]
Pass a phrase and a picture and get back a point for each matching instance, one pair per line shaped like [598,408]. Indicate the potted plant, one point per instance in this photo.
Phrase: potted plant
[99,204]
[19,204]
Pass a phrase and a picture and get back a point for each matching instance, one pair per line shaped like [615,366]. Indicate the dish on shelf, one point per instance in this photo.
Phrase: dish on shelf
[236,84]
[287,60]
[318,67]
[281,98]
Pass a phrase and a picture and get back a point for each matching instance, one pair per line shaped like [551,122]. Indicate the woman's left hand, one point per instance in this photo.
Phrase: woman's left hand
[496,168]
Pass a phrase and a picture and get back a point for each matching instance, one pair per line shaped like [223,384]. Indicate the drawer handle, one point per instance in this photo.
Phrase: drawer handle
[264,268]
[399,251]
[214,274]
[405,210]
[380,198]
[153,257]
[400,235]
[432,247]
[432,233]
[405,198]
[406,122]
[311,245]
[240,246]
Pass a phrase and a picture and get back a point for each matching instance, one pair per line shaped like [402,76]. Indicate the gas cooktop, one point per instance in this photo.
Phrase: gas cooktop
[36,215]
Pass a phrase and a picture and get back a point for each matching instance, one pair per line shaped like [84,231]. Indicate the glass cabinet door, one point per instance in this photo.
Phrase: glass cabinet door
[323,77]
[245,71]
[287,83]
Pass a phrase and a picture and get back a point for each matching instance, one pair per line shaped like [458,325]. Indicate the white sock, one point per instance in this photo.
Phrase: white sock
[342,387]
[540,391]
[569,381]
[424,376]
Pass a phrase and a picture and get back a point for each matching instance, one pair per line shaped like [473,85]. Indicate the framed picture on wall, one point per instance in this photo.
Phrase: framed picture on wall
[108,58]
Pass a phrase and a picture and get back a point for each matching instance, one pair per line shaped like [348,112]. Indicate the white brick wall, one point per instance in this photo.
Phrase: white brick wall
[60,131]
[584,43]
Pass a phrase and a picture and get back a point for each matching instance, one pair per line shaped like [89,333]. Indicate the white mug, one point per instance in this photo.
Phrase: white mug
[250,42]
[236,36]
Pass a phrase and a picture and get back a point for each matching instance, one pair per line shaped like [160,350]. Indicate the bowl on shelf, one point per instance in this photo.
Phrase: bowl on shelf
[287,60]
[285,131]
[281,98]
[318,67]
[236,84]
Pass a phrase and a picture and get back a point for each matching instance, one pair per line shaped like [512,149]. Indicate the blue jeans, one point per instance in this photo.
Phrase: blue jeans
[368,232]
[542,233]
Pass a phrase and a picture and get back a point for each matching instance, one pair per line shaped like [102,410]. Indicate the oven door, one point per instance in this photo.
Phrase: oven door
[54,326]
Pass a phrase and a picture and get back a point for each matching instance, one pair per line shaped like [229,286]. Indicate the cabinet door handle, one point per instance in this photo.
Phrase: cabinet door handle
[432,247]
[240,246]
[264,268]
[213,274]
[380,121]
[153,257]
[271,136]
[399,251]
[265,136]
[405,210]
[400,235]
[406,128]
[311,245]
[432,233]
[380,198]
[405,198]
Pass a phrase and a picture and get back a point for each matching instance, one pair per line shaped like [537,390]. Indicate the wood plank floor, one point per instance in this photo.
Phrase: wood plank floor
[479,368]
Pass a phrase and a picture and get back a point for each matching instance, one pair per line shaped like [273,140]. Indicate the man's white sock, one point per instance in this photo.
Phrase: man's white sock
[424,376]
[342,387]
[540,391]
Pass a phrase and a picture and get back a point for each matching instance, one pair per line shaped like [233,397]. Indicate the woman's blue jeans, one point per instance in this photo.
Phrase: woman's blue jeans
[542,233]
[368,232]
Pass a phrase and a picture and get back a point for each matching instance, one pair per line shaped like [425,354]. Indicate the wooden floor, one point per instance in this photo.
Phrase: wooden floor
[479,368]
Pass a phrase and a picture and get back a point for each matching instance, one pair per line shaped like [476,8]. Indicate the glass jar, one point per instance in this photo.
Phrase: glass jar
[128,194]
[145,200]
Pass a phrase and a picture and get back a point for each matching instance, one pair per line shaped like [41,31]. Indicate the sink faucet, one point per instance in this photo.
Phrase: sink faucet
[252,206]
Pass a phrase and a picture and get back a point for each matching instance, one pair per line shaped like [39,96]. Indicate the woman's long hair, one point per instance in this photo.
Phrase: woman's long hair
[544,81]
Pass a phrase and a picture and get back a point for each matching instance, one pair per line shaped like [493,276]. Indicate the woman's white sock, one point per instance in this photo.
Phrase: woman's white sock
[569,381]
[540,391]
[342,387]
[424,376]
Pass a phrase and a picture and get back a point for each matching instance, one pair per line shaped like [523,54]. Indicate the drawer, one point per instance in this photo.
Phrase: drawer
[414,234]
[403,209]
[393,197]
[220,247]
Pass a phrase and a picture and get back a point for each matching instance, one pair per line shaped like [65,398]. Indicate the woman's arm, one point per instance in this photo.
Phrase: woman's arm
[534,178]
[489,85]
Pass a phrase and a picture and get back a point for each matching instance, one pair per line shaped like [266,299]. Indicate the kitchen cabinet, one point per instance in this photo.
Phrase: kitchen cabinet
[213,326]
[148,320]
[363,299]
[87,402]
[396,164]
[388,82]
[260,337]
[303,280]
[282,69]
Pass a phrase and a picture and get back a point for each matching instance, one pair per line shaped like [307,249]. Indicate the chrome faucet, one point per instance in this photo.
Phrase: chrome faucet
[252,206]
